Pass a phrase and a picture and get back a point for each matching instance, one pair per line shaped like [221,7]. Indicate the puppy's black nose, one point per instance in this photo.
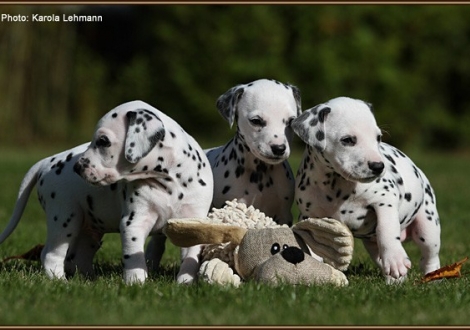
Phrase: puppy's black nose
[293,254]
[278,149]
[376,167]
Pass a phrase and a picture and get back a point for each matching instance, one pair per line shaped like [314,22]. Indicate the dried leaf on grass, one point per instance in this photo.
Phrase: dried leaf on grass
[34,254]
[448,271]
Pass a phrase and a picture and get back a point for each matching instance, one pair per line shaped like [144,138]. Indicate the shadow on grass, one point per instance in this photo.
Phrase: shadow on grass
[362,269]
[166,273]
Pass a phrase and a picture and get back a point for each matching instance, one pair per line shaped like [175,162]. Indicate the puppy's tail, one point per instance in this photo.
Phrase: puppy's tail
[27,185]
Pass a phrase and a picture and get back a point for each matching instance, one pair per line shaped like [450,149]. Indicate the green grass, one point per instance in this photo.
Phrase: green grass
[29,298]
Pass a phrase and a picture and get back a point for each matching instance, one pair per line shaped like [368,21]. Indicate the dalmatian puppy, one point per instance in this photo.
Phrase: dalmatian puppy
[253,166]
[347,173]
[140,169]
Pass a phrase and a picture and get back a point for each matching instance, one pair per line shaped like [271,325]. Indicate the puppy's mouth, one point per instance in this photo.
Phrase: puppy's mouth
[361,179]
[273,160]
[102,182]
[368,179]
[93,180]
[270,158]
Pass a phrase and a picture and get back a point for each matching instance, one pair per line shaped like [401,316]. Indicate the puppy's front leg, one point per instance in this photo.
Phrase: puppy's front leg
[133,235]
[394,260]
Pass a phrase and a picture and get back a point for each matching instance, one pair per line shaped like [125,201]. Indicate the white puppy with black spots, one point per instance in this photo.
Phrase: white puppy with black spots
[140,169]
[347,173]
[253,166]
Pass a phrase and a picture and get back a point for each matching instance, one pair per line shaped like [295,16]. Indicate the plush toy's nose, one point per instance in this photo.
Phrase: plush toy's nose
[293,254]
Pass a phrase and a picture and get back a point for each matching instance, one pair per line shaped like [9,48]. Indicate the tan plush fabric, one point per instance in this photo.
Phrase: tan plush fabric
[310,271]
[327,238]
[189,232]
[274,256]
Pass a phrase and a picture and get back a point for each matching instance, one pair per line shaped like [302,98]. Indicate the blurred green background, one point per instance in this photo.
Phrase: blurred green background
[411,61]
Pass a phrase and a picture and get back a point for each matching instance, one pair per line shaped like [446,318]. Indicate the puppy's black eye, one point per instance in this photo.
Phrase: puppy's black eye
[103,142]
[349,141]
[257,121]
[379,138]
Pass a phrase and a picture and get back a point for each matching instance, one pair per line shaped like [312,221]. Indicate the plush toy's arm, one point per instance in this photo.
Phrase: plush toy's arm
[328,238]
[191,231]
[215,271]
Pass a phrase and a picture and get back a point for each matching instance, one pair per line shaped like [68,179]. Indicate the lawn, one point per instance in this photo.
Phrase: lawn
[29,298]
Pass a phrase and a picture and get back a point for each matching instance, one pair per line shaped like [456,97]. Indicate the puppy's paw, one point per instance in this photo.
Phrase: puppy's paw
[134,276]
[395,265]
[185,279]
[394,281]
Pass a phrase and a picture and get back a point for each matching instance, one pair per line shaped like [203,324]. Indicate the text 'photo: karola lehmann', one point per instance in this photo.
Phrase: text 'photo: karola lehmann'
[50,18]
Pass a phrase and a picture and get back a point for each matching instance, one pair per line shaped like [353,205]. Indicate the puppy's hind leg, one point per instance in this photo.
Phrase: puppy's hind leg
[62,232]
[154,251]
[425,231]
[81,254]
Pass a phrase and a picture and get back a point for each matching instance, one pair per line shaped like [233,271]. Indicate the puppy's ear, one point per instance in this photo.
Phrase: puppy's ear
[297,98]
[310,126]
[227,103]
[370,105]
[144,130]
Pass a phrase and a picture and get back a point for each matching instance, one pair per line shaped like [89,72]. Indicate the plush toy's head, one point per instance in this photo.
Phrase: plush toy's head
[311,252]
[274,255]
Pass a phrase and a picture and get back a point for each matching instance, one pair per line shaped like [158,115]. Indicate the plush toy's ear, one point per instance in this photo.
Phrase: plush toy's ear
[227,103]
[310,126]
[187,232]
[327,238]
[144,130]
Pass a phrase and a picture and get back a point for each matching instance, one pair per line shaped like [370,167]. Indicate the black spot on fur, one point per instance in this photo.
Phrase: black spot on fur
[323,113]
[239,171]
[89,201]
[390,159]
[320,135]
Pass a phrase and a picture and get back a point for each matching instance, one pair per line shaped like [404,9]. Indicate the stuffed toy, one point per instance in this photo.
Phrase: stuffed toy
[241,243]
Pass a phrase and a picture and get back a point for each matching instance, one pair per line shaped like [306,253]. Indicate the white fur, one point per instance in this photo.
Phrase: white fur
[346,173]
[144,169]
[253,166]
